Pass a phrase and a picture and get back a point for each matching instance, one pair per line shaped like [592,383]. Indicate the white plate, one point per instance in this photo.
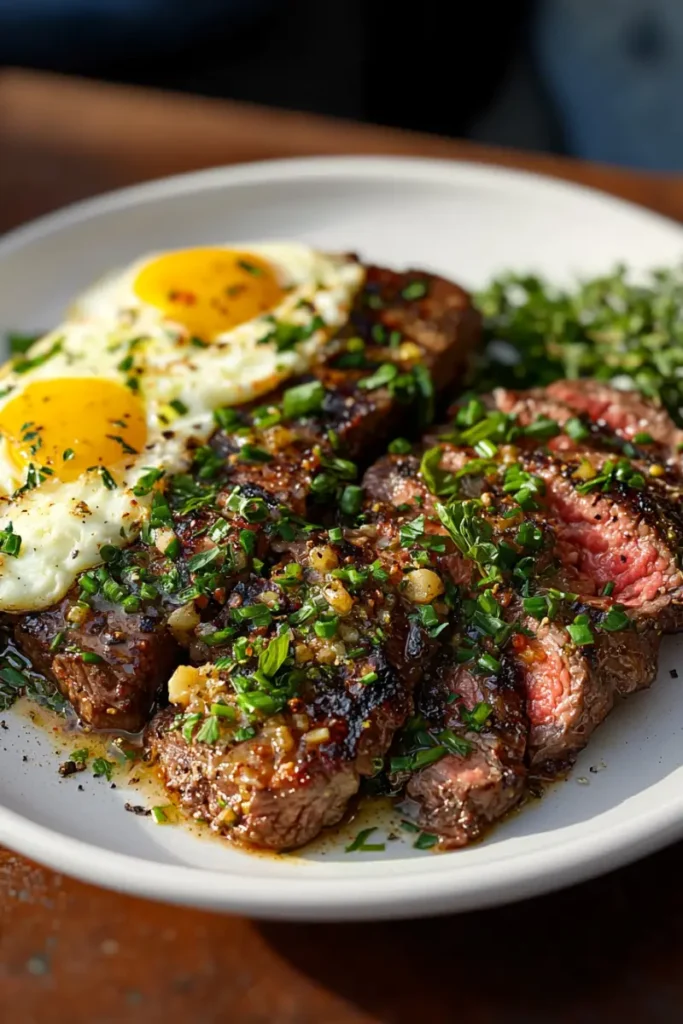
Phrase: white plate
[465,221]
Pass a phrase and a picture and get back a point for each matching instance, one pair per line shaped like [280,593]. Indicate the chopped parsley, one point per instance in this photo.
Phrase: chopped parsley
[147,481]
[615,620]
[399,446]
[439,481]
[286,336]
[103,768]
[24,365]
[210,730]
[386,373]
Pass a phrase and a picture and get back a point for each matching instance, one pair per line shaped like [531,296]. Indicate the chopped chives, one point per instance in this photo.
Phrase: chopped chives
[90,658]
[57,641]
[414,290]
[580,631]
[421,758]
[303,399]
[326,628]
[252,453]
[454,744]
[576,429]
[399,446]
[360,845]
[224,711]
[351,500]
[425,841]
[489,664]
[615,620]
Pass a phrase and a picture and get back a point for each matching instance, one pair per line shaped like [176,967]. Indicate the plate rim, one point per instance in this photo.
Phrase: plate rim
[442,889]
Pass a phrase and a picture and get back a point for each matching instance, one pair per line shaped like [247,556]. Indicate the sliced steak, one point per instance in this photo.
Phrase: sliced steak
[403,328]
[571,689]
[628,537]
[291,774]
[459,796]
[266,792]
[616,424]
[627,413]
[109,668]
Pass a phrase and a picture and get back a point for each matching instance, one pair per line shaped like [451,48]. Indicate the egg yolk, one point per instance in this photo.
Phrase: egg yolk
[209,291]
[73,424]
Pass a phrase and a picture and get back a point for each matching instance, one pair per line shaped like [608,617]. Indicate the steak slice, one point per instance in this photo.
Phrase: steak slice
[482,772]
[627,413]
[616,424]
[408,325]
[274,775]
[459,796]
[626,537]
[127,658]
[268,792]
[570,689]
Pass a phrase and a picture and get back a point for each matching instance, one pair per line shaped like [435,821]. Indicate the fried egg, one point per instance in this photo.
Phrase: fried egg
[130,379]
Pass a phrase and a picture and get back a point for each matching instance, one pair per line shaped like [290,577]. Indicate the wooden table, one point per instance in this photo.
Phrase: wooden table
[610,950]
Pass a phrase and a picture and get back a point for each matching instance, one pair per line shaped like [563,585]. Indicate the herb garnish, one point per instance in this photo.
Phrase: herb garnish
[360,844]
[303,399]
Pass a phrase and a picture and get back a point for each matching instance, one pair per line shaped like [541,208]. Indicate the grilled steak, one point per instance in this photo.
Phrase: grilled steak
[283,458]
[570,689]
[631,538]
[625,537]
[463,792]
[113,664]
[626,413]
[529,661]
[568,678]
[460,622]
[278,759]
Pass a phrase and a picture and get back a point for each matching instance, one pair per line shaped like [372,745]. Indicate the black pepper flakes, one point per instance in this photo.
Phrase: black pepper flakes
[138,809]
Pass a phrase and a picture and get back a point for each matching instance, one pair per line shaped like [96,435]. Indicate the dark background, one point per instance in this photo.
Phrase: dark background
[599,79]
[431,66]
